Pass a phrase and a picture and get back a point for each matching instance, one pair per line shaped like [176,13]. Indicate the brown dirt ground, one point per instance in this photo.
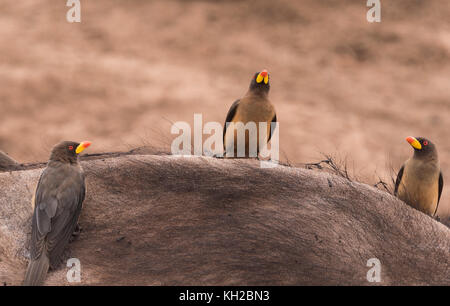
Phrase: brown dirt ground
[340,84]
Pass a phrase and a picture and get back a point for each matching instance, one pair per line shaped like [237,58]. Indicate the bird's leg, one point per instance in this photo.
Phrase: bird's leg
[218,155]
[76,232]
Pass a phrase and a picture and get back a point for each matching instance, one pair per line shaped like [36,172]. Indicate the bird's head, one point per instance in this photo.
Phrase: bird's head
[260,82]
[68,151]
[422,147]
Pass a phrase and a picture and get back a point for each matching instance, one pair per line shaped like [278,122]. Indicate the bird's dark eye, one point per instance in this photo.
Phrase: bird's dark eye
[71,148]
[425,143]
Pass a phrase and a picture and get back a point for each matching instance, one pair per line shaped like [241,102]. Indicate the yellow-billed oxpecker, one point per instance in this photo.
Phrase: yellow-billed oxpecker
[57,205]
[254,106]
[419,182]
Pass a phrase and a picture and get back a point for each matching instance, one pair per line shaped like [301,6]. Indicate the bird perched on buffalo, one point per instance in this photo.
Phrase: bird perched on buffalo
[419,182]
[57,205]
[7,162]
[254,107]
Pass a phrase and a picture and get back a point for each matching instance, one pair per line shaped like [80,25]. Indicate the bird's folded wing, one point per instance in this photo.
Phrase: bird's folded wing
[57,208]
[274,120]
[230,116]
[399,179]
[441,186]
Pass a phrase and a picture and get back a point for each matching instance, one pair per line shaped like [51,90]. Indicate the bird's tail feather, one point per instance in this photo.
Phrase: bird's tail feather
[37,270]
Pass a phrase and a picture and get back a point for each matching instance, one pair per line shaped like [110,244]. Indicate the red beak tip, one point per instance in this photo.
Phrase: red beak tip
[264,73]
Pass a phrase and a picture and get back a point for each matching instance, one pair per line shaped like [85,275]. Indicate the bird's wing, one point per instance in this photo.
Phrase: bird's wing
[230,115]
[441,186]
[58,201]
[399,179]
[274,120]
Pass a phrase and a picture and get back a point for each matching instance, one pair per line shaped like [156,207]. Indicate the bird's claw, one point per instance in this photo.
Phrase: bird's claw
[75,233]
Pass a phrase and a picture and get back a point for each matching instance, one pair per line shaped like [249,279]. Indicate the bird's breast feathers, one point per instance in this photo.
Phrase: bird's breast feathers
[419,186]
[254,111]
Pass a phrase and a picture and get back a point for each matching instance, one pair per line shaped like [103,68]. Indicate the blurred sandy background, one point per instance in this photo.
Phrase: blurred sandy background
[340,85]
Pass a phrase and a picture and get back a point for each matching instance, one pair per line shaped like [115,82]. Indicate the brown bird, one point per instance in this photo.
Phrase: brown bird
[7,162]
[255,107]
[57,205]
[419,182]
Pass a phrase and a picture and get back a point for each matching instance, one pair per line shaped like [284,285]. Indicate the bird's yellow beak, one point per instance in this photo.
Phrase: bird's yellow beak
[414,143]
[82,146]
[263,76]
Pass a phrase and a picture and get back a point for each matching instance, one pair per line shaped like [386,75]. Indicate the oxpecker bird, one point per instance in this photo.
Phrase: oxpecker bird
[254,107]
[7,162]
[419,182]
[57,205]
